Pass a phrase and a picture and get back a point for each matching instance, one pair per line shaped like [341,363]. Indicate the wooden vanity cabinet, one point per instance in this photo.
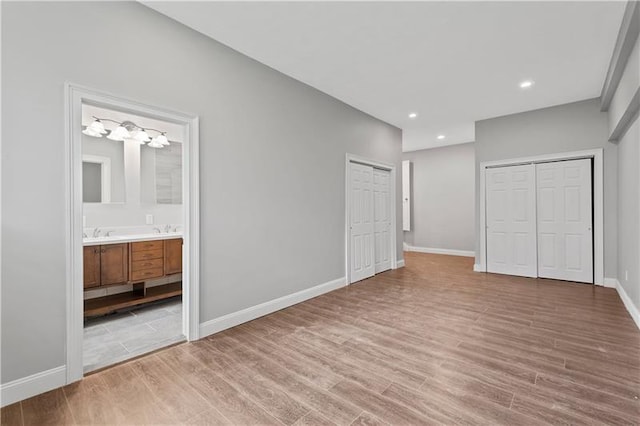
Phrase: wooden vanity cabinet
[91,266]
[133,263]
[173,256]
[106,265]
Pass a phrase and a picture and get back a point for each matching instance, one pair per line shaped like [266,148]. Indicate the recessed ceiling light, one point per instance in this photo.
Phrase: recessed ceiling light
[413,115]
[526,84]
[440,137]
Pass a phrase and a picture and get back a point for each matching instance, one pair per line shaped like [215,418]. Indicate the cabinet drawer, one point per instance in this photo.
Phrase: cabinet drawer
[147,245]
[146,264]
[147,254]
[147,274]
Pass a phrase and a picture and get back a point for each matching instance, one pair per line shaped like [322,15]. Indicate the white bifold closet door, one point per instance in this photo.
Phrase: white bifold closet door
[382,219]
[511,220]
[564,210]
[369,221]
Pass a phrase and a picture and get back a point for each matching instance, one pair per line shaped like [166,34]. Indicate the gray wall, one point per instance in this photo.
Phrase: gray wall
[442,197]
[628,180]
[629,213]
[272,161]
[563,128]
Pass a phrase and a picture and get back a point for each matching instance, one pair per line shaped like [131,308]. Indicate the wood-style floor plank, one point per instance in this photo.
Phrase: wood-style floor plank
[11,415]
[431,343]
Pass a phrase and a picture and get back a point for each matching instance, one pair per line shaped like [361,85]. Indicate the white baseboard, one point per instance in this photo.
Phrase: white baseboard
[479,268]
[610,282]
[400,264]
[451,252]
[33,385]
[628,303]
[231,320]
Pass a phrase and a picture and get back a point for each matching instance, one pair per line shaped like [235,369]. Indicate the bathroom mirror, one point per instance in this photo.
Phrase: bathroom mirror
[103,179]
[161,174]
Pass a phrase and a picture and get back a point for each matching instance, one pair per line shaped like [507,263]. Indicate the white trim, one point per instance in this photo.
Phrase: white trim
[75,96]
[628,303]
[598,202]
[231,320]
[450,252]
[32,385]
[105,175]
[478,268]
[610,282]
[351,158]
[399,264]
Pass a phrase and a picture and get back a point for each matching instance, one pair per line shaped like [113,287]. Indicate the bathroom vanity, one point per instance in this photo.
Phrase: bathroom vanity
[131,259]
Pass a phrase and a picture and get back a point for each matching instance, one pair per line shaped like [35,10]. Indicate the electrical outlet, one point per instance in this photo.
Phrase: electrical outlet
[149,219]
[626,275]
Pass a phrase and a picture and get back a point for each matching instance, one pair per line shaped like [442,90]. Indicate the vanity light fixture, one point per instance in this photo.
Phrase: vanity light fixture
[126,130]
[142,136]
[95,129]
[119,134]
[160,139]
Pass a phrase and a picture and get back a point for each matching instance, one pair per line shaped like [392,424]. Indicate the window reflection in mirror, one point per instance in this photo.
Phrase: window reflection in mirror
[161,174]
[103,179]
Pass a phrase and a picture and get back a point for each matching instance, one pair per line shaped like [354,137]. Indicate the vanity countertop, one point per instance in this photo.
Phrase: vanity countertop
[116,239]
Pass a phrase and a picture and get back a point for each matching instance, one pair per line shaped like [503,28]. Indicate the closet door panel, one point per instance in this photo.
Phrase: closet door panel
[382,219]
[564,206]
[361,226]
[511,222]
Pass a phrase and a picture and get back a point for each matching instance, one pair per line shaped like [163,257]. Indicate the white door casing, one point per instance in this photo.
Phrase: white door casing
[511,222]
[361,228]
[564,220]
[382,220]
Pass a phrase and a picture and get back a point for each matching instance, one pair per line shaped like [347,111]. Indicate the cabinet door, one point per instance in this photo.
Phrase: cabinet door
[91,266]
[172,256]
[114,263]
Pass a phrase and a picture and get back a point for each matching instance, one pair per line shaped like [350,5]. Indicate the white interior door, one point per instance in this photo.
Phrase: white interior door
[382,219]
[511,220]
[565,240]
[361,226]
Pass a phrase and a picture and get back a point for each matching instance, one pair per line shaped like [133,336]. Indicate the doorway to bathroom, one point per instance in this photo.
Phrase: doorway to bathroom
[132,229]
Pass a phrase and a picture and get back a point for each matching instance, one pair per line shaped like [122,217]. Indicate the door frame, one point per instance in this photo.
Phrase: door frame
[75,96]
[598,202]
[351,158]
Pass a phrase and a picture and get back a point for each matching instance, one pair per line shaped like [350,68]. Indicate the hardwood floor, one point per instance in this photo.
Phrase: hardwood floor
[431,343]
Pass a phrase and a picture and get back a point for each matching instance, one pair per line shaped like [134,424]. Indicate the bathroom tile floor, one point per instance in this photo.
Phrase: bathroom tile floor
[117,337]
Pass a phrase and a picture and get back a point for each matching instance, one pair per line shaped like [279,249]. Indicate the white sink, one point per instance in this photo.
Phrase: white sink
[113,239]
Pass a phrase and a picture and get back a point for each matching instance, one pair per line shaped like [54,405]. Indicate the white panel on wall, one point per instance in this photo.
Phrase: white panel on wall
[406,195]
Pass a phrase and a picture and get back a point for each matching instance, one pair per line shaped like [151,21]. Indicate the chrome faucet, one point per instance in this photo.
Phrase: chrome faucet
[158,230]
[96,233]
[167,228]
[108,234]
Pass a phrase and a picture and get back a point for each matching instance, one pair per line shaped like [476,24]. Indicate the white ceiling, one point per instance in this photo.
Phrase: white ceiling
[451,62]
